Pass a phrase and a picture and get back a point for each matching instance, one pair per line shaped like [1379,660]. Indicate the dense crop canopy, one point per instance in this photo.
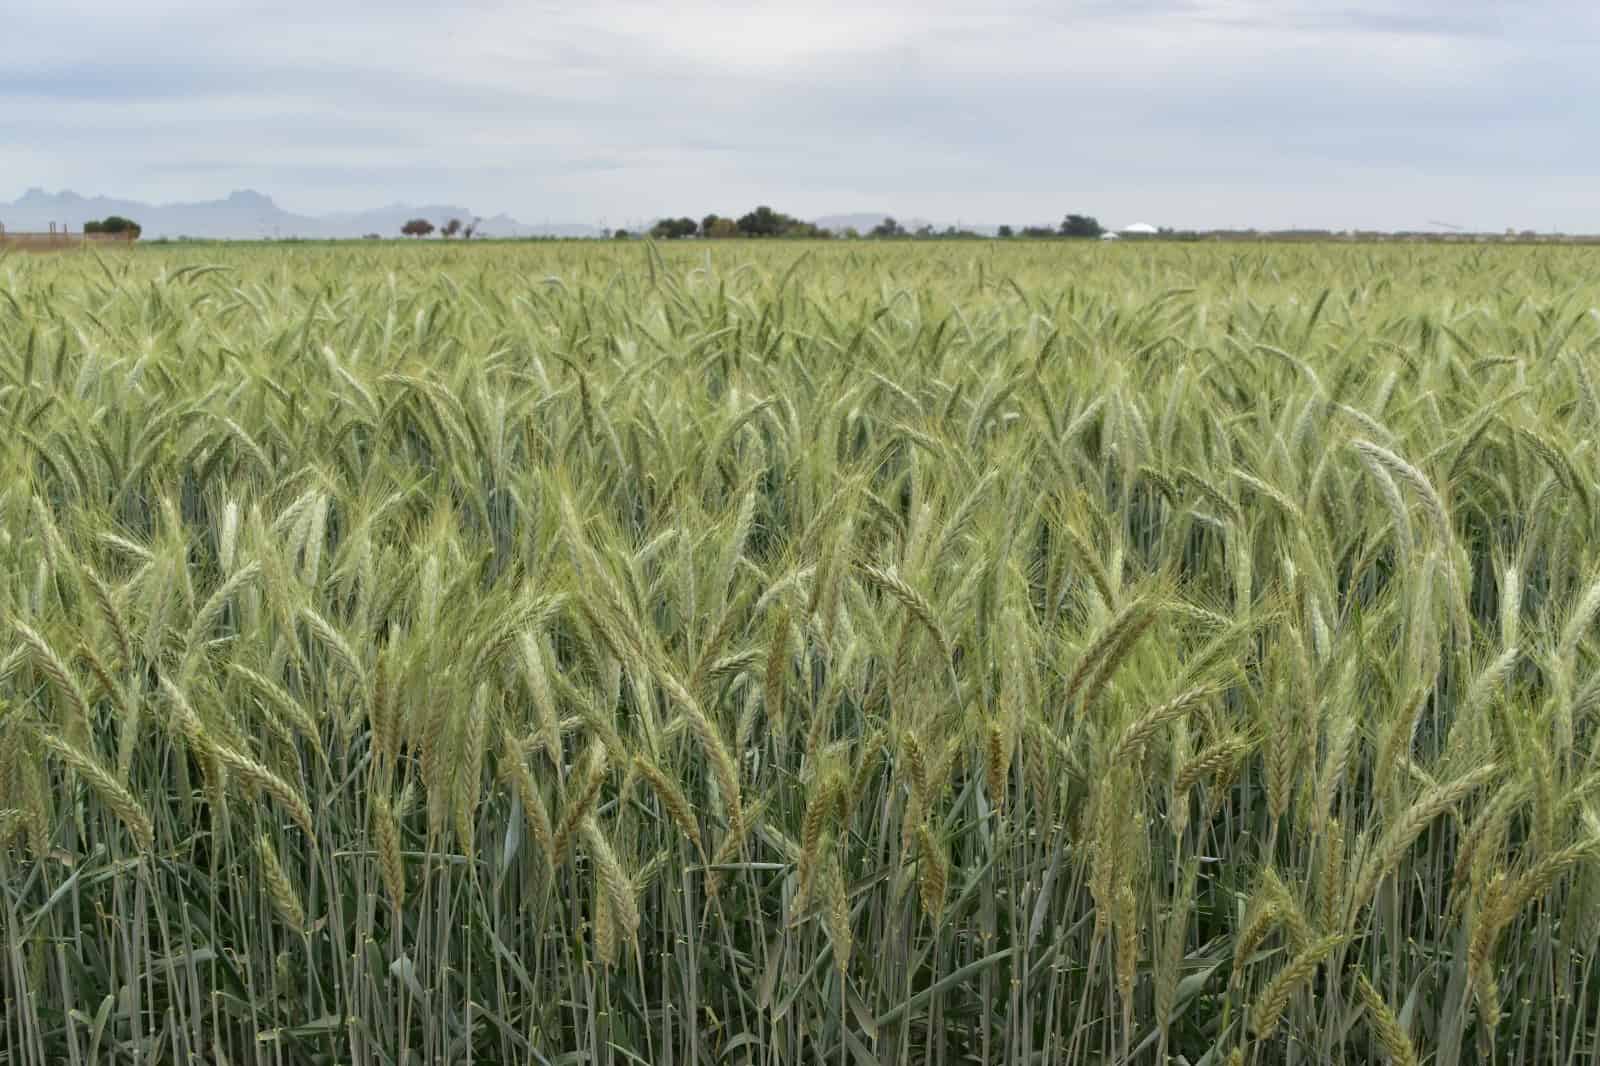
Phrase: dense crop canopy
[1007,653]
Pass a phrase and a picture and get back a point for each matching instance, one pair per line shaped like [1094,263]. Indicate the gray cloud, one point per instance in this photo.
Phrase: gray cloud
[1206,112]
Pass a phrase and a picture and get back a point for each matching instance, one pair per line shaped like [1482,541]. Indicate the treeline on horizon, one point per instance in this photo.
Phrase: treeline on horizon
[767,222]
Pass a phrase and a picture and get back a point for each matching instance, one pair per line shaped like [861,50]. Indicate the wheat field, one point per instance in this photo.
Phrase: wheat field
[779,653]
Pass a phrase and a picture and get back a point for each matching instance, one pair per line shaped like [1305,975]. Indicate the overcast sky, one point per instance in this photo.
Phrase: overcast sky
[1175,112]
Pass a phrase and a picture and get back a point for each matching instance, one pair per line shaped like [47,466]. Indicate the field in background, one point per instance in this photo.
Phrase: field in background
[52,242]
[794,653]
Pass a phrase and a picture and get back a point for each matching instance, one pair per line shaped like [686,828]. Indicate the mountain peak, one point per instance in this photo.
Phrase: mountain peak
[247,214]
[249,198]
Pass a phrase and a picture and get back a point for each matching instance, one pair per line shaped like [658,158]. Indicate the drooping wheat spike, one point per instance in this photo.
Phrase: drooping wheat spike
[1209,762]
[468,787]
[37,805]
[1291,915]
[1330,898]
[1117,833]
[1485,833]
[258,777]
[382,715]
[890,582]
[290,709]
[534,811]
[673,801]
[710,664]
[1538,878]
[1413,478]
[619,889]
[285,900]
[776,675]
[871,756]
[117,799]
[1399,515]
[996,763]
[1504,898]
[12,822]
[129,715]
[1281,752]
[723,767]
[1398,838]
[60,676]
[819,805]
[547,725]
[206,619]
[1511,607]
[335,642]
[1260,920]
[1100,659]
[603,922]
[917,771]
[108,685]
[1086,554]
[1483,937]
[106,601]
[386,842]
[1395,746]
[933,872]
[1274,998]
[255,776]
[1386,1025]
[431,739]
[838,917]
[1438,518]
[1138,733]
[584,789]
[1125,923]
[1341,732]
[1174,934]
[732,844]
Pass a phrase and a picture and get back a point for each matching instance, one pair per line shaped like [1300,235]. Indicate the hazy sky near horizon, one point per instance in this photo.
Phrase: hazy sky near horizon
[1175,112]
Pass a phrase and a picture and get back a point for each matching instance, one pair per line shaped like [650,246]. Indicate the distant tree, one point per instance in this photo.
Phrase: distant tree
[472,229]
[371,237]
[622,235]
[764,222]
[1037,232]
[450,228]
[417,227]
[114,225]
[850,233]
[673,229]
[887,228]
[1005,231]
[1081,226]
[718,228]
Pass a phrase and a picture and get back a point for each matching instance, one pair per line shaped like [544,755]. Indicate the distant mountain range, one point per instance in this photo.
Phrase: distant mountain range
[864,222]
[247,214]
[250,215]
